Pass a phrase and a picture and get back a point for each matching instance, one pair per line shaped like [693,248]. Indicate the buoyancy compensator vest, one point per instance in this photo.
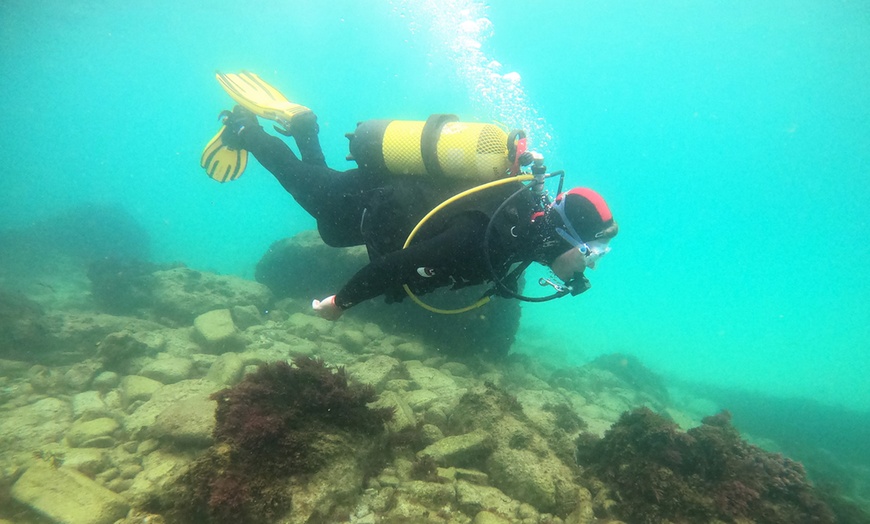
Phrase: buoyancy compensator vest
[440,147]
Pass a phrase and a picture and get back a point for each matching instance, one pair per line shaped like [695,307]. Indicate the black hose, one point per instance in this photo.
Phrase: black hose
[499,283]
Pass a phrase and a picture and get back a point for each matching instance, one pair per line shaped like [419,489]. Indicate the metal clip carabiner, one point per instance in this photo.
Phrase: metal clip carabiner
[558,287]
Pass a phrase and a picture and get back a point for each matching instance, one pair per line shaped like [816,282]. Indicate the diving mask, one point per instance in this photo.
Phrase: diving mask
[594,250]
[591,251]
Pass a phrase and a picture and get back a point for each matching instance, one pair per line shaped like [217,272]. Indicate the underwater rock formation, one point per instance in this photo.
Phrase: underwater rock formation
[630,369]
[126,400]
[611,372]
[657,473]
[303,267]
[76,499]
[169,293]
[86,232]
[121,285]
[277,426]
[519,460]
[24,331]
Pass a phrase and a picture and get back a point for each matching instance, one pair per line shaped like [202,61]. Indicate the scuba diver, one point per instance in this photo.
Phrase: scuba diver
[488,235]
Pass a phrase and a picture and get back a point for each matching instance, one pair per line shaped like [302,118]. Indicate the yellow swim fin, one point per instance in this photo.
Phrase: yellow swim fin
[254,94]
[222,163]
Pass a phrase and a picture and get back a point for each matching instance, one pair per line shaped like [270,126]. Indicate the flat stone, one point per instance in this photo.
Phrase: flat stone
[472,475]
[156,483]
[399,385]
[106,381]
[411,351]
[130,471]
[216,331]
[403,415]
[92,433]
[373,331]
[80,375]
[88,461]
[375,371]
[66,496]
[431,434]
[137,424]
[308,326]
[9,368]
[541,480]
[431,494]
[352,339]
[88,405]
[147,446]
[168,370]
[459,450]
[430,378]
[227,370]
[420,399]
[472,498]
[187,422]
[36,424]
[246,316]
[116,349]
[182,293]
[457,369]
[135,387]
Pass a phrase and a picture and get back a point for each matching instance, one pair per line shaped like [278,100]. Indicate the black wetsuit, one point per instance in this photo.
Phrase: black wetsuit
[379,210]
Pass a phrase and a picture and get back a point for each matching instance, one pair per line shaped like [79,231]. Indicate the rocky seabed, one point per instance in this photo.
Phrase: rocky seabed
[103,439]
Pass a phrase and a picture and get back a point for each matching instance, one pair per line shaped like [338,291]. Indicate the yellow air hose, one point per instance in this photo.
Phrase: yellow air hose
[439,207]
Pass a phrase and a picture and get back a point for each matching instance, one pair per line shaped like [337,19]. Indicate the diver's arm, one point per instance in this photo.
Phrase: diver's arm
[443,253]
[305,130]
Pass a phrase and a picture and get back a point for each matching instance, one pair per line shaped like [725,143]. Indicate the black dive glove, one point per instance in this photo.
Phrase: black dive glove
[237,124]
[578,284]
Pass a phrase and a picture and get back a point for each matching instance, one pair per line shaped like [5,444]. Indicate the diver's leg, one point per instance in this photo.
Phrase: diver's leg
[336,199]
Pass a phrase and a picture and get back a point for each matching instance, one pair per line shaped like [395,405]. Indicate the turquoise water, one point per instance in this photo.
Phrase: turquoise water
[731,140]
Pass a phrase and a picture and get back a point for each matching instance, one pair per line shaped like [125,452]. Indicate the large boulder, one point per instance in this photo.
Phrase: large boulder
[24,429]
[182,294]
[121,286]
[216,331]
[139,424]
[337,484]
[171,293]
[24,330]
[188,422]
[86,232]
[460,450]
[65,495]
[304,268]
[97,433]
[522,463]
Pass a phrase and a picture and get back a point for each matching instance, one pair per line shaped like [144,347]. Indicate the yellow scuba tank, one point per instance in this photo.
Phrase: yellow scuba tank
[441,147]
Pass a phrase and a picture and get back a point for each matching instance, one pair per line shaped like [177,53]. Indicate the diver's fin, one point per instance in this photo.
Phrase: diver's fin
[222,163]
[254,94]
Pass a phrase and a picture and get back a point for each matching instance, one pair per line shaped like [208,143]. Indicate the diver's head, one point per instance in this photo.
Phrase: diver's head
[579,227]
